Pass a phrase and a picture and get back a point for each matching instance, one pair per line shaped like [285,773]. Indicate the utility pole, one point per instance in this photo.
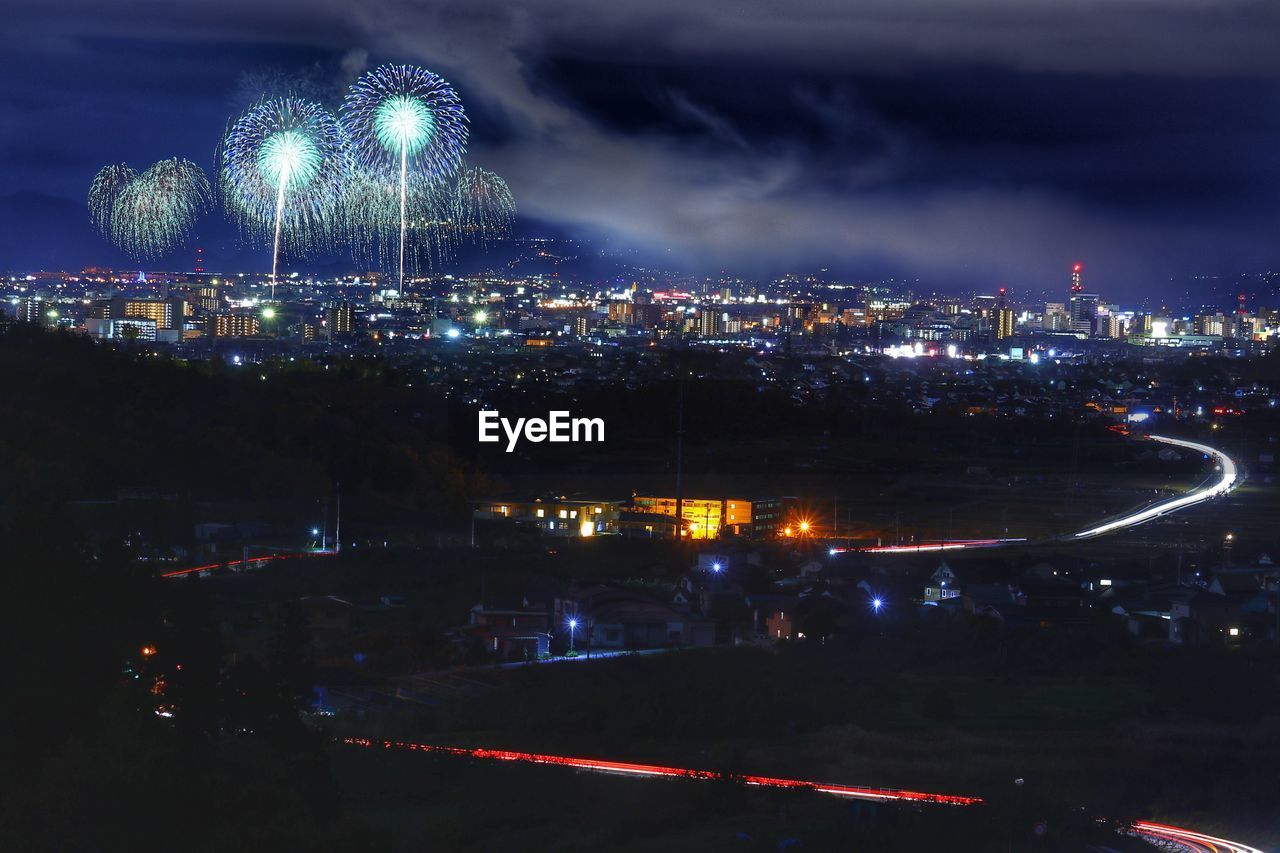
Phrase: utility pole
[337,527]
[680,456]
[324,524]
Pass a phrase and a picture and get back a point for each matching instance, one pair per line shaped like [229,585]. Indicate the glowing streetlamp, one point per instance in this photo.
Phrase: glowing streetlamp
[573,625]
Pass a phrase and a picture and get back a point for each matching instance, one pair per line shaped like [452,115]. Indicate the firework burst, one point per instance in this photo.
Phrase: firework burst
[371,219]
[106,188]
[151,214]
[406,124]
[483,206]
[283,167]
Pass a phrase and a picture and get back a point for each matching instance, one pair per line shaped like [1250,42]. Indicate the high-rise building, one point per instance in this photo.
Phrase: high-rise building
[32,309]
[708,323]
[1003,325]
[1083,311]
[340,319]
[1082,307]
[621,311]
[210,298]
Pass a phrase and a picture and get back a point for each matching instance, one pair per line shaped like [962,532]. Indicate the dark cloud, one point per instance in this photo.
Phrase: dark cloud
[967,141]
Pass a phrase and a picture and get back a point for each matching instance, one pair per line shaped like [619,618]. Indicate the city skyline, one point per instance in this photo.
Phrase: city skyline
[988,162]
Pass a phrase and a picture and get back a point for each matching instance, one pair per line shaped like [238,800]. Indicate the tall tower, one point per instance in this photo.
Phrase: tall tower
[1082,308]
[199,267]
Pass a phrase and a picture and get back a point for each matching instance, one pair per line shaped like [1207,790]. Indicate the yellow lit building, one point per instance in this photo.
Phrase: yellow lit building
[704,518]
[158,311]
[233,326]
[1004,320]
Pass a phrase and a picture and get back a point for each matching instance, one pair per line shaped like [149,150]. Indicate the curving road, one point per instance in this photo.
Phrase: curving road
[1196,842]
[1224,483]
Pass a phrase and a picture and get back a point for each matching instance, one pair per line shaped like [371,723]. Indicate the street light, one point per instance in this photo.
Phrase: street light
[573,624]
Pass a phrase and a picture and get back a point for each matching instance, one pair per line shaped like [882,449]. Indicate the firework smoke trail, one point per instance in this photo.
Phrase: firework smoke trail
[483,206]
[149,215]
[398,115]
[283,166]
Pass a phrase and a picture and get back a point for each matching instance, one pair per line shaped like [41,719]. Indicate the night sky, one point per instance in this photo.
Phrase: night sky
[965,143]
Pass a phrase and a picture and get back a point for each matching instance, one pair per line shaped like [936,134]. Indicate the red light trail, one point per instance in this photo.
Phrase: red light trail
[1197,842]
[657,770]
[1188,839]
[252,562]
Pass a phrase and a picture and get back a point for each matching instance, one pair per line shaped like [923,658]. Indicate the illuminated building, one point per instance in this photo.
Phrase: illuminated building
[621,311]
[1083,312]
[708,323]
[165,313]
[121,328]
[233,326]
[1056,318]
[340,319]
[35,310]
[1082,307]
[704,518]
[1003,325]
[555,516]
[210,297]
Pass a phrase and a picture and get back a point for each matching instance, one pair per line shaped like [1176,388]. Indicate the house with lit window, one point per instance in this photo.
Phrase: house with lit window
[942,585]
[614,618]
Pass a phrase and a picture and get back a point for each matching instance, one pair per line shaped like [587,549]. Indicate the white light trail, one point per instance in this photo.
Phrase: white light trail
[1194,841]
[1223,485]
